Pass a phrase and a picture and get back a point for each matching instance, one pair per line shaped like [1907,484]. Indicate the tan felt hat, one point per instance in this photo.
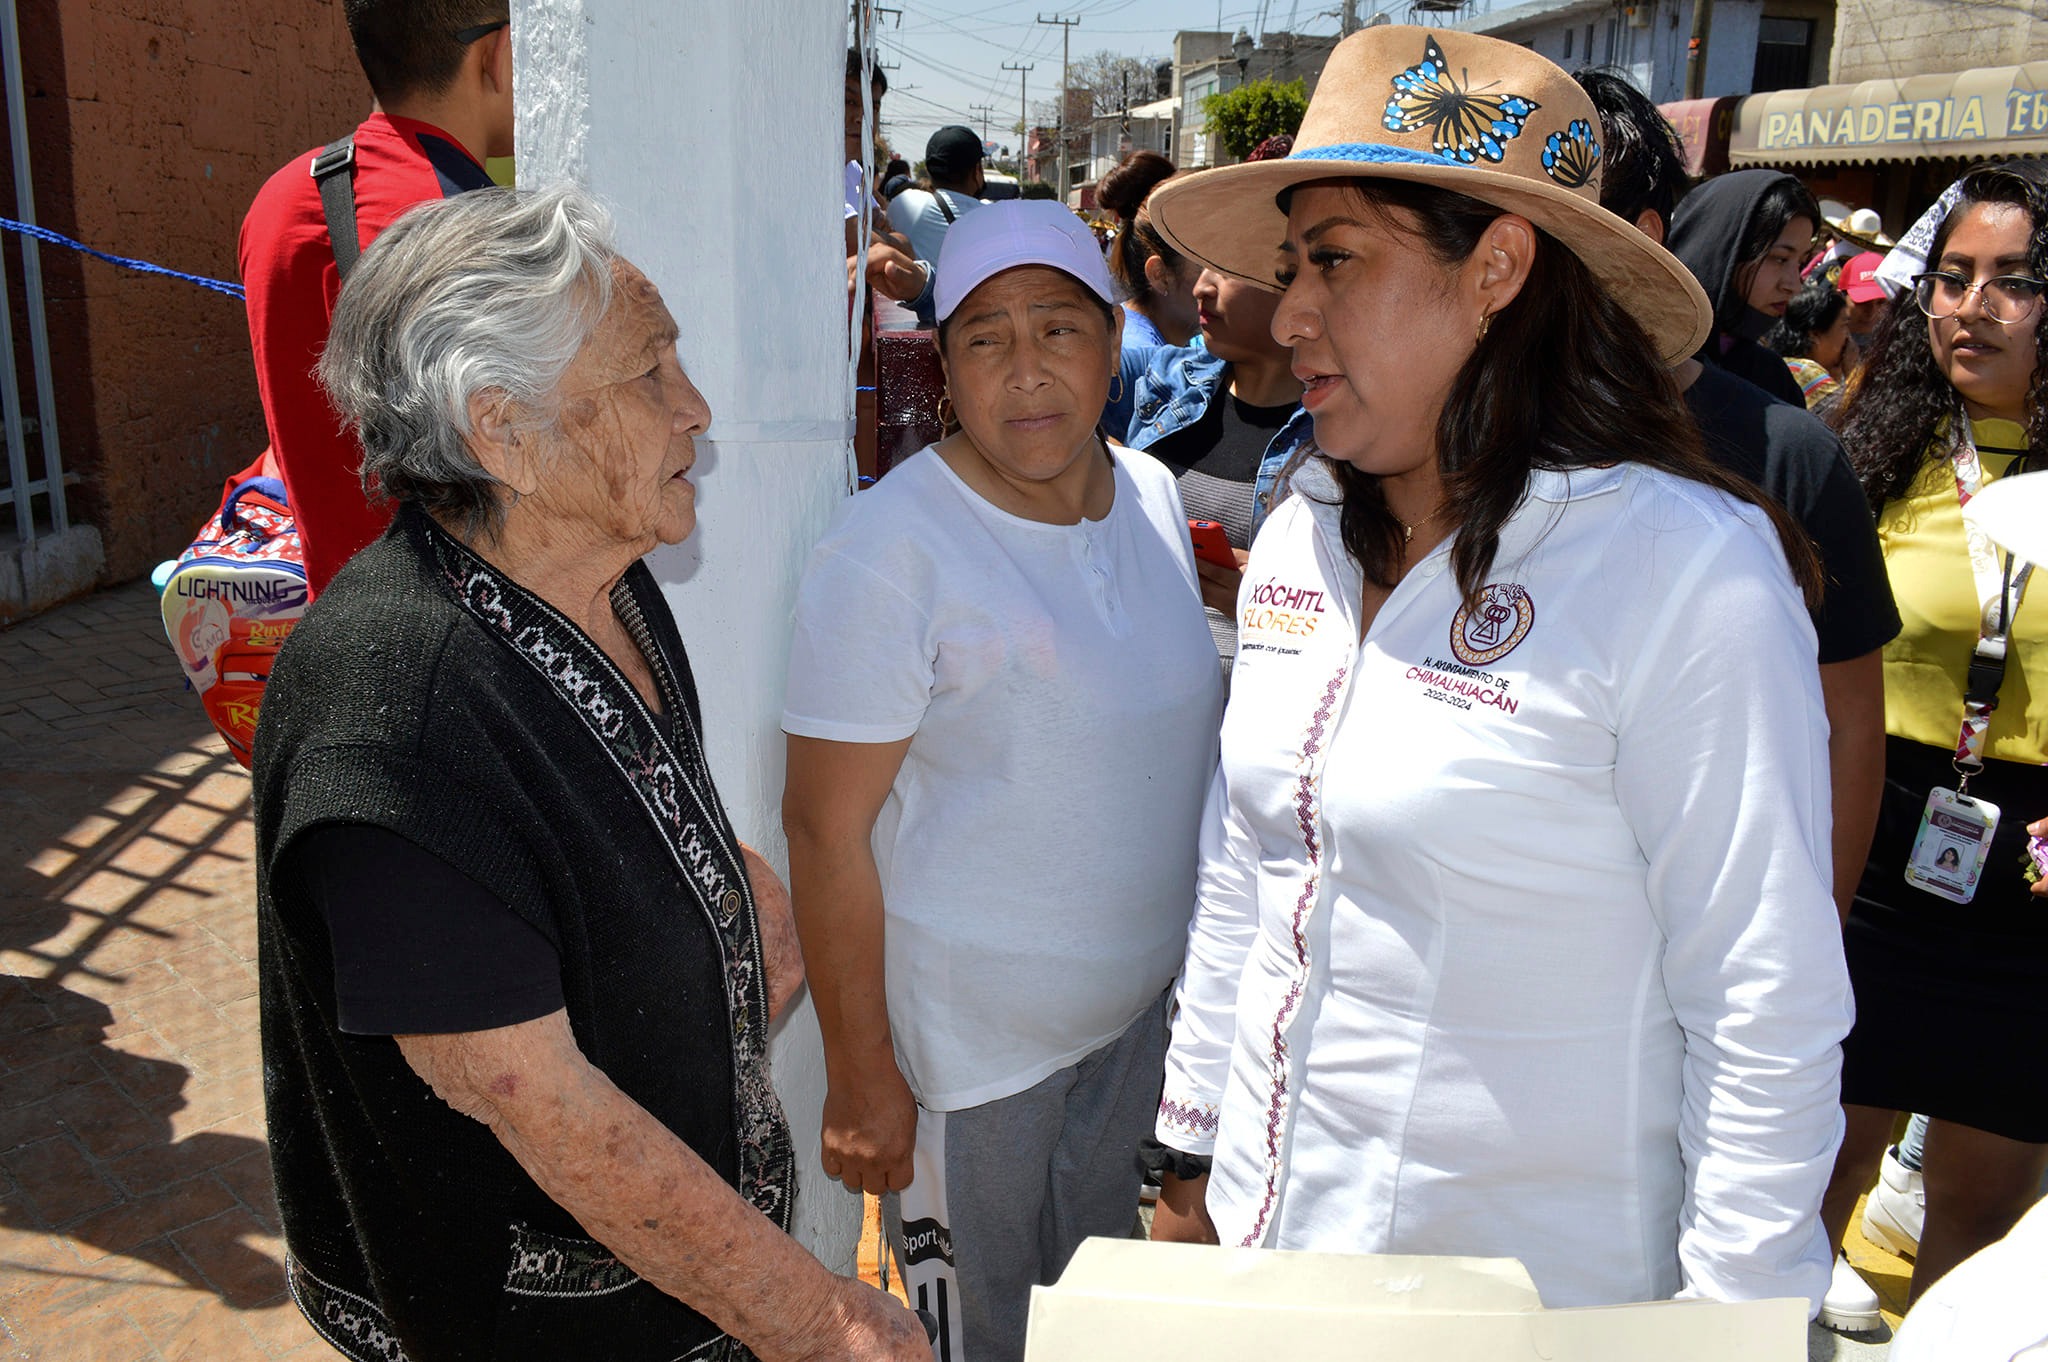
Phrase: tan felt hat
[1487,118]
[1862,227]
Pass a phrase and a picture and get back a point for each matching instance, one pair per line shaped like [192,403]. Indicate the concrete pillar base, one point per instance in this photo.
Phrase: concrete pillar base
[54,568]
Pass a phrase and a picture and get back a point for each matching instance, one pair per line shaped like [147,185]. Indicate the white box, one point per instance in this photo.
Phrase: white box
[1124,1300]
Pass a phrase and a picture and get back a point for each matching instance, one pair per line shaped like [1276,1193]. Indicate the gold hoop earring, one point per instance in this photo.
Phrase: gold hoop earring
[1118,395]
[1485,324]
[946,412]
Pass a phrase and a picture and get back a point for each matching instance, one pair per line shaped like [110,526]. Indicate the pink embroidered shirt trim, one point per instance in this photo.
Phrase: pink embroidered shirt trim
[1307,810]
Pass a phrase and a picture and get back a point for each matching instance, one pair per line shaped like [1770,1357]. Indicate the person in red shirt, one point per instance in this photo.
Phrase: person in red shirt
[441,71]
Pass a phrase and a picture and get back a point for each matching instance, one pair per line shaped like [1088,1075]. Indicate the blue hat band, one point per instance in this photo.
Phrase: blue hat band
[1370,153]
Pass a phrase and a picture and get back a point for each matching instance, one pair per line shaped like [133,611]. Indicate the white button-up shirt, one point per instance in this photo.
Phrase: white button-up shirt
[1514,933]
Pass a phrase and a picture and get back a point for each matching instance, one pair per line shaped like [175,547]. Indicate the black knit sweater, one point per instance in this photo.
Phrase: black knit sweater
[426,694]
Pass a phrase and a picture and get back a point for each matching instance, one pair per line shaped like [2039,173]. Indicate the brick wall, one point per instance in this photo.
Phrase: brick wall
[152,123]
[1880,39]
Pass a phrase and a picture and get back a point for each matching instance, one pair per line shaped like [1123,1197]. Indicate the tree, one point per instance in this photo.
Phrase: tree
[1242,118]
[1108,78]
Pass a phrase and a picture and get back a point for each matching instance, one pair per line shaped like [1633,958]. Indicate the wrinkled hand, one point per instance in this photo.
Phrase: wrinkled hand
[856,1323]
[781,952]
[1219,584]
[1182,1213]
[870,1129]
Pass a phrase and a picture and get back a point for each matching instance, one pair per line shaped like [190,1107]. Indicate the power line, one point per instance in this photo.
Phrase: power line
[977,81]
[928,105]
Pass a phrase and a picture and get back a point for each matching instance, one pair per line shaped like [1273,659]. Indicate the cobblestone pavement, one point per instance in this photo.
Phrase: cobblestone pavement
[136,1219]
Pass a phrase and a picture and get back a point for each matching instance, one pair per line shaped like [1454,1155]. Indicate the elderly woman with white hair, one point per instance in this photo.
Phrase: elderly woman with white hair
[517,971]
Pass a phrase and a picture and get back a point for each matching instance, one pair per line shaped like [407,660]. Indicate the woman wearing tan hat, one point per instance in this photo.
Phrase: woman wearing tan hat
[1513,933]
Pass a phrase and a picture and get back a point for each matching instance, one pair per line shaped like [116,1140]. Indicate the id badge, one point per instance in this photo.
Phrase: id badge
[1949,851]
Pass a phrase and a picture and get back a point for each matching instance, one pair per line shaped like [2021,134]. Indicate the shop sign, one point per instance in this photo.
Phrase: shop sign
[1972,113]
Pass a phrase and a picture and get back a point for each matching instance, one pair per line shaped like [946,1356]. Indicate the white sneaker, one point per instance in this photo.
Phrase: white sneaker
[1896,1208]
[1850,1306]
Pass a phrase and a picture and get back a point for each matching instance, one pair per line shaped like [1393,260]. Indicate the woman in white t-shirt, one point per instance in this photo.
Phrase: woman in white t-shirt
[1002,707]
[1513,935]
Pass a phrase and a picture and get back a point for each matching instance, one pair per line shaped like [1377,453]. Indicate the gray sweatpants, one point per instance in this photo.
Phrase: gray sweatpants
[1003,1193]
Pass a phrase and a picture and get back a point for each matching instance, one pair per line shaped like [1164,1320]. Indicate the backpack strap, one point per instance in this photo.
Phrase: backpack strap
[272,488]
[939,195]
[334,171]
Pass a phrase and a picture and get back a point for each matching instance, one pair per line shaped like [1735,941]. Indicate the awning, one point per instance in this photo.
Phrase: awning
[1703,126]
[1992,111]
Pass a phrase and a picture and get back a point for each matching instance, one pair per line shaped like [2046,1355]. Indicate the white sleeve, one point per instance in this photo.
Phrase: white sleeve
[1205,1022]
[1722,773]
[856,189]
[861,657]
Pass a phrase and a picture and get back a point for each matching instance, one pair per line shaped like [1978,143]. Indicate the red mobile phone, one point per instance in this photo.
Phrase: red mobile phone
[1212,545]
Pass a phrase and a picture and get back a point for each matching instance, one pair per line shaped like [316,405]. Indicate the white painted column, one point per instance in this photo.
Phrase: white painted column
[713,130]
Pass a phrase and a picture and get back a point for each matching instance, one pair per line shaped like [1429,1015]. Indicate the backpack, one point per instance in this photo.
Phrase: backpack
[232,598]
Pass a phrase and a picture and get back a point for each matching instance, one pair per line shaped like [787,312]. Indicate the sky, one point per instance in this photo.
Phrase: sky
[951,52]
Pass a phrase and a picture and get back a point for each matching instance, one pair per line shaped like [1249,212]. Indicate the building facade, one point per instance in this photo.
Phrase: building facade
[1751,45]
[1207,64]
[1894,39]
[1142,127]
[148,137]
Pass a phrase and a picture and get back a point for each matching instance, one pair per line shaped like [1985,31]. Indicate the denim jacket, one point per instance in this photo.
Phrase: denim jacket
[1169,388]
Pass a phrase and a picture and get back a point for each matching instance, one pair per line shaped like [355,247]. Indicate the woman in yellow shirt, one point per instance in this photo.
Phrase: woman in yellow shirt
[1948,942]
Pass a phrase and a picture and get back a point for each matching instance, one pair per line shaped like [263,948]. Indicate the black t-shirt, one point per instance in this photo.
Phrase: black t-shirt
[1215,462]
[419,947]
[1226,441]
[1785,450]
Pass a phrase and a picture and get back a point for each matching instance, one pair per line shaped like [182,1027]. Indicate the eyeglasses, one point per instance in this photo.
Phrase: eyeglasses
[466,36]
[2006,298]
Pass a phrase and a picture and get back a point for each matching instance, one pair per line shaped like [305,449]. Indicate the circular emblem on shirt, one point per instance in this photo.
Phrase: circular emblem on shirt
[1483,634]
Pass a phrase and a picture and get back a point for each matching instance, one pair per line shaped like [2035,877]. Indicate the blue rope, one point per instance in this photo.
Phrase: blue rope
[58,239]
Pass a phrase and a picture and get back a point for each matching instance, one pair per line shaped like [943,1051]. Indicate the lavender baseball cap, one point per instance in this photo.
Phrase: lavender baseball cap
[1002,236]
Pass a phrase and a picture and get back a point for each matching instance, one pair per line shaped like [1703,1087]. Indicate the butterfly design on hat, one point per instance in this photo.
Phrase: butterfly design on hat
[1572,157]
[1465,112]
[1463,124]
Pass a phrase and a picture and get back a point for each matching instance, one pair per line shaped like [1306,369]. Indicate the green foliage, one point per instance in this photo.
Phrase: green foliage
[1240,119]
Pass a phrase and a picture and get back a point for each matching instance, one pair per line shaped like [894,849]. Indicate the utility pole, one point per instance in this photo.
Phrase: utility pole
[1348,24]
[1023,70]
[1696,50]
[1124,125]
[984,111]
[1066,36]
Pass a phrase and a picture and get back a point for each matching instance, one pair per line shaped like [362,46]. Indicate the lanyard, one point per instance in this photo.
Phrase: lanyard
[2000,587]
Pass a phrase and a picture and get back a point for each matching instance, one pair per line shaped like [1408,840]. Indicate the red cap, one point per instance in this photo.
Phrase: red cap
[1859,278]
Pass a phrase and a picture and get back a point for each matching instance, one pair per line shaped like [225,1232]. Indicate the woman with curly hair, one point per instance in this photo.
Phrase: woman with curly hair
[1947,962]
